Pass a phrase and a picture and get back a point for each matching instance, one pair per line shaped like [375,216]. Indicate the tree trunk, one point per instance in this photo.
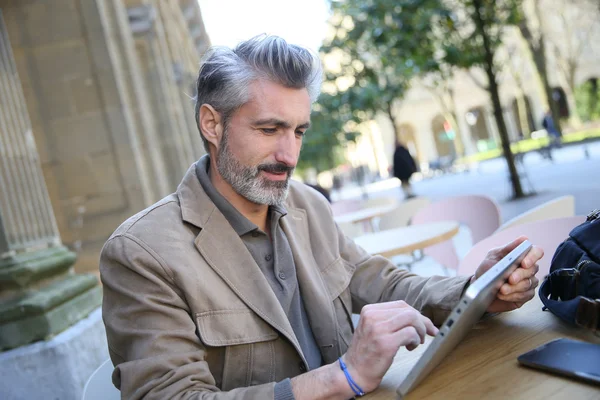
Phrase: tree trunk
[538,51]
[393,121]
[495,97]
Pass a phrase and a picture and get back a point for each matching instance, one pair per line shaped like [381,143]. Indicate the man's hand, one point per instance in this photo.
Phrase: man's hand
[521,284]
[381,330]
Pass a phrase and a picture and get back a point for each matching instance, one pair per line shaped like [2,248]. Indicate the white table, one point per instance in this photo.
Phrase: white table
[407,239]
[365,214]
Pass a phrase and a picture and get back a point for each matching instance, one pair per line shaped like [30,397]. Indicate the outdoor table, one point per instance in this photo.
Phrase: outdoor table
[392,242]
[365,215]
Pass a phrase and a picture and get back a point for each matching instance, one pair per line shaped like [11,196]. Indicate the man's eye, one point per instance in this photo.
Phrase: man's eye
[269,130]
[300,133]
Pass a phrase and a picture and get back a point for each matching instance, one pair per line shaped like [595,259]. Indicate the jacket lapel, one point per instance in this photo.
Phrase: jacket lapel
[225,252]
[317,301]
[227,255]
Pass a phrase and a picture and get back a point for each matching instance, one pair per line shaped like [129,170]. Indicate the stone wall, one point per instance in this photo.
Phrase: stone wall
[110,108]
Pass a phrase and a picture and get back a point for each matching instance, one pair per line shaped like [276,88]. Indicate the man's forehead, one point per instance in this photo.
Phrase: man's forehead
[269,100]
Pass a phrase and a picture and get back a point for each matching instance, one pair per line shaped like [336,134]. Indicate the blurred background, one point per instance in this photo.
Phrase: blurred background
[103,88]
[97,121]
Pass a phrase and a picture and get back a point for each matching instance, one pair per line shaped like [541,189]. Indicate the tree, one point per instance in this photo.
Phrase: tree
[470,37]
[441,84]
[569,40]
[536,40]
[386,45]
[330,130]
[380,46]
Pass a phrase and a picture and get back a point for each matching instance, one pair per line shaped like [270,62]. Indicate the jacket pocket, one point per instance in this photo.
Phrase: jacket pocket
[248,342]
[337,277]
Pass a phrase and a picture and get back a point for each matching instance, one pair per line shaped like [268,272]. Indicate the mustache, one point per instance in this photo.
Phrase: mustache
[277,168]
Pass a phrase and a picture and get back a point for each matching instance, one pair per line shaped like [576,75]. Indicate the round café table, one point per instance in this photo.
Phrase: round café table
[365,215]
[407,239]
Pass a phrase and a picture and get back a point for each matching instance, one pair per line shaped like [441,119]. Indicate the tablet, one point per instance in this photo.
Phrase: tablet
[471,307]
[571,358]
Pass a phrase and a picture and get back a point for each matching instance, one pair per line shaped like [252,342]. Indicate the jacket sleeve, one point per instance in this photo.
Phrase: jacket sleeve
[377,280]
[151,337]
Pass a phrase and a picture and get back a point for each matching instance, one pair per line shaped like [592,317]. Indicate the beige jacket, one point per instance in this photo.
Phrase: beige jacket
[189,315]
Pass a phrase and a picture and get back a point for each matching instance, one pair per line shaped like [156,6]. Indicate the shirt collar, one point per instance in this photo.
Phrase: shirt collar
[238,222]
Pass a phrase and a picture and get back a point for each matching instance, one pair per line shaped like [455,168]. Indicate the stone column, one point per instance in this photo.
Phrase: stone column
[40,296]
[51,333]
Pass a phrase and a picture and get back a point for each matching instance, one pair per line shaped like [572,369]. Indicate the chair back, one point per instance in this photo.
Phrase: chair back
[402,214]
[100,386]
[557,208]
[547,234]
[480,214]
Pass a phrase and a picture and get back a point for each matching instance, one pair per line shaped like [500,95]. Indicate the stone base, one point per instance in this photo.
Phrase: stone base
[58,368]
[41,297]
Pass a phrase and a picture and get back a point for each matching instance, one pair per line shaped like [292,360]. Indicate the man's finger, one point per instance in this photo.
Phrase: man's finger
[521,273]
[533,256]
[520,297]
[408,337]
[408,318]
[522,286]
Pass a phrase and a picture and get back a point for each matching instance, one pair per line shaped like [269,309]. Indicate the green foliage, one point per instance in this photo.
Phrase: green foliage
[587,101]
[322,143]
[461,43]
[382,45]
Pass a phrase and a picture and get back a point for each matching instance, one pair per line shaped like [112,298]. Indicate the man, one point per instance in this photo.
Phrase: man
[404,167]
[240,285]
[553,133]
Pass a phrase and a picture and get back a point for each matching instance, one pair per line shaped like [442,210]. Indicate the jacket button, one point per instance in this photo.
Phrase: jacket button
[268,257]
[302,367]
[282,276]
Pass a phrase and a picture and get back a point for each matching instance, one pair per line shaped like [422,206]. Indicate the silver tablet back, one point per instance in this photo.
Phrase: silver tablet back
[464,316]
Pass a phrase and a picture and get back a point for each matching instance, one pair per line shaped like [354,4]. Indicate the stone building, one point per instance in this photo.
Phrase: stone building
[96,123]
[108,87]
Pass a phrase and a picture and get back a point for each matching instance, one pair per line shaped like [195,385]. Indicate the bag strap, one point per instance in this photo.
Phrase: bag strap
[588,314]
[580,311]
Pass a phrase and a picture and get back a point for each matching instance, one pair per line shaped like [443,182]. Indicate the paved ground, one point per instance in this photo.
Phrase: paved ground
[572,172]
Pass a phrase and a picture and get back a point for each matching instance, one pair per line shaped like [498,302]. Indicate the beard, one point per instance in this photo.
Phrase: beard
[247,181]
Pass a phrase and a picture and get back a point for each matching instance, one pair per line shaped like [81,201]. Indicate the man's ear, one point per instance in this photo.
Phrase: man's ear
[211,124]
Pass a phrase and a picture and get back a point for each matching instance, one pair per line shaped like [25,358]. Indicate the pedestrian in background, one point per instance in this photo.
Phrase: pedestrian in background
[404,167]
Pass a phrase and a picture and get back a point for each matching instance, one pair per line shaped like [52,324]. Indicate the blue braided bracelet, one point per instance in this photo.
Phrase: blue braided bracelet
[355,388]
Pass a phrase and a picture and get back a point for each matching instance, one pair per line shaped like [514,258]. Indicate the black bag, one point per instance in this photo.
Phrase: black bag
[572,289]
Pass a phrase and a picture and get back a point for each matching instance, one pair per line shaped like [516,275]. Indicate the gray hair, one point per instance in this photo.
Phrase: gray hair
[225,74]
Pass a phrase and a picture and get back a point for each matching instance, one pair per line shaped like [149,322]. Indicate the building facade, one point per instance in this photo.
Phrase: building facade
[108,86]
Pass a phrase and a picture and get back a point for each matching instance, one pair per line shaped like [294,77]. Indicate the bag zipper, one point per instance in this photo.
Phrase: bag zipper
[593,215]
[581,264]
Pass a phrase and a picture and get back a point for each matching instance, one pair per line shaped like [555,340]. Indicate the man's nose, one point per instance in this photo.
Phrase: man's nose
[287,149]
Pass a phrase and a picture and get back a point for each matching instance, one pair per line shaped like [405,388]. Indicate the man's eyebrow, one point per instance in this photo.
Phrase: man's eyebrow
[279,123]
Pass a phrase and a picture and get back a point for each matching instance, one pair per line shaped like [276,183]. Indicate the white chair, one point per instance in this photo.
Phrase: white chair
[480,214]
[547,234]
[402,214]
[100,386]
[557,208]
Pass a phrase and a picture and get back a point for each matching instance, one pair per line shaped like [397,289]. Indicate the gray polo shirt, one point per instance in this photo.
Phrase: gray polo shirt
[274,258]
